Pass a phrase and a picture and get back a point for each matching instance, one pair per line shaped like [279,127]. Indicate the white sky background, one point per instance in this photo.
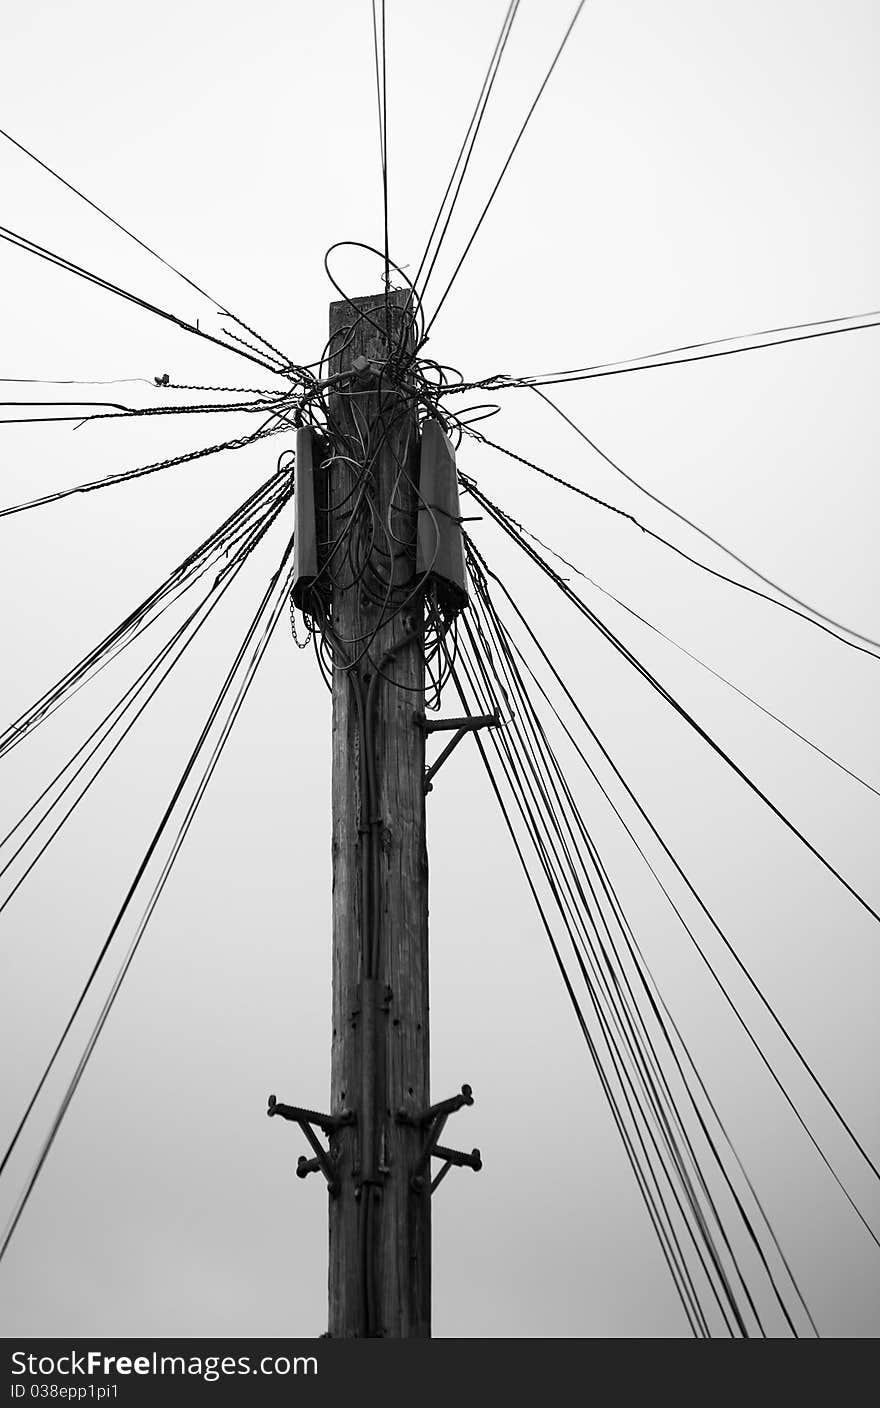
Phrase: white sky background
[694,170]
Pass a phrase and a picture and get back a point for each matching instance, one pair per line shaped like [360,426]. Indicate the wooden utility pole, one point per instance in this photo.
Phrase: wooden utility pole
[379,550]
[380,1218]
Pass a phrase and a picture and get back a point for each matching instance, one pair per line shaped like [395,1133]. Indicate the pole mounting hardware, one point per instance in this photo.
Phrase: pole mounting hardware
[469,724]
[454,1158]
[323,1161]
[433,1119]
[364,371]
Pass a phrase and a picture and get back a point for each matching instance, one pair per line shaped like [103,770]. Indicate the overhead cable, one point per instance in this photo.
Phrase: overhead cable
[31,247]
[783,591]
[819,624]
[266,615]
[511,154]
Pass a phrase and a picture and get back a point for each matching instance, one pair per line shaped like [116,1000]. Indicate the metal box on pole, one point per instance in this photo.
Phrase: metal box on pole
[440,549]
[305,543]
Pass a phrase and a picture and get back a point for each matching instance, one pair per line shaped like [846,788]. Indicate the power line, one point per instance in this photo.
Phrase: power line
[542,805]
[653,1199]
[790,1042]
[31,247]
[789,728]
[127,629]
[118,411]
[540,810]
[702,531]
[560,803]
[207,607]
[119,710]
[380,67]
[241,542]
[130,234]
[466,150]
[820,625]
[673,703]
[492,194]
[624,368]
[73,381]
[237,444]
[270,618]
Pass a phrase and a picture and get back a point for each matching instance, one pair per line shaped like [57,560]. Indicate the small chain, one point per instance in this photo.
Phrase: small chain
[300,644]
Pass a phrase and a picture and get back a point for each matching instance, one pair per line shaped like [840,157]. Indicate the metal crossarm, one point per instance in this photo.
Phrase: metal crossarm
[460,728]
[434,1119]
[322,1161]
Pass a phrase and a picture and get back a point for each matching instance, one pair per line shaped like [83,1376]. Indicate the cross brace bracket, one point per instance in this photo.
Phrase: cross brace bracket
[322,1161]
[433,1112]
[433,1120]
[469,724]
[454,1158]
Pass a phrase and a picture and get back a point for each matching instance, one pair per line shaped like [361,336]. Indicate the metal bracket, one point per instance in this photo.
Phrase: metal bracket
[443,1107]
[454,1158]
[461,726]
[322,1162]
[363,371]
[434,1118]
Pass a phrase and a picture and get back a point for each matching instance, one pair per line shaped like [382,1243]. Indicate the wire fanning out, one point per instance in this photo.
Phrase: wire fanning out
[519,136]
[802,332]
[238,679]
[831,1104]
[643,1065]
[235,548]
[382,106]
[816,620]
[221,308]
[655,684]
[702,531]
[637,616]
[193,565]
[462,161]
[723,1256]
[60,262]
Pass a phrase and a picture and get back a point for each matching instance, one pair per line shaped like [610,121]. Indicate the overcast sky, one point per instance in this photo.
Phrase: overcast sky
[694,170]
